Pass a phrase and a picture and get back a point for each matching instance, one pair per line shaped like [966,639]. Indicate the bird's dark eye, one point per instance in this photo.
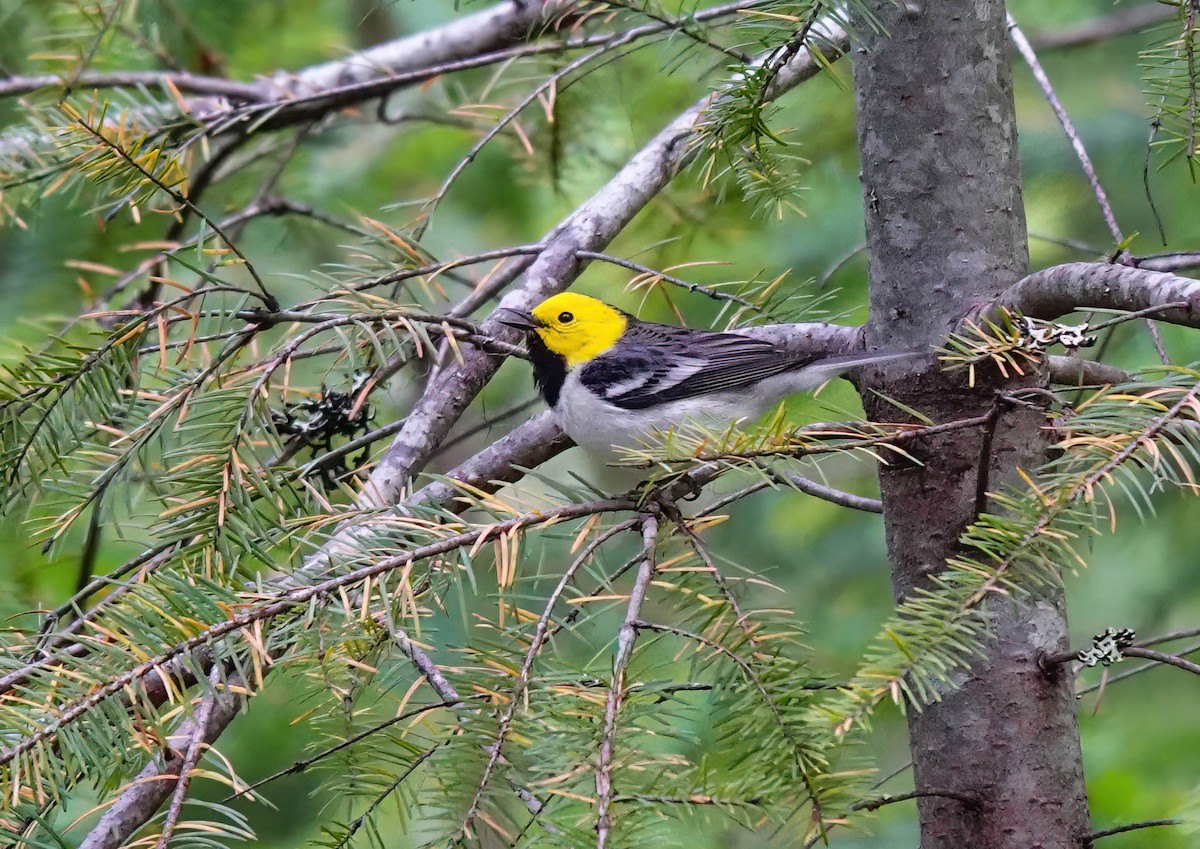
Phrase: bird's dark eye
[566,317]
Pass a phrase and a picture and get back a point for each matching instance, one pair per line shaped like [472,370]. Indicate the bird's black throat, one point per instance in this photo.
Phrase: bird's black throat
[549,369]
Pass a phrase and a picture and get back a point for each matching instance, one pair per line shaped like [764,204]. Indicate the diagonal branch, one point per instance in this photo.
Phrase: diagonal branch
[590,228]
[159,778]
[1039,73]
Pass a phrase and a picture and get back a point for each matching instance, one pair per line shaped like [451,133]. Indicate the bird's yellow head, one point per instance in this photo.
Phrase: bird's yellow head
[577,327]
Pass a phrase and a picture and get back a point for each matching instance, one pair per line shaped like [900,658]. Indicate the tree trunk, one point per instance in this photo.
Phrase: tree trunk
[945,230]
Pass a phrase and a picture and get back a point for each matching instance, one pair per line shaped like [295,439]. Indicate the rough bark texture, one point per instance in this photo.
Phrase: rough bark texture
[946,232]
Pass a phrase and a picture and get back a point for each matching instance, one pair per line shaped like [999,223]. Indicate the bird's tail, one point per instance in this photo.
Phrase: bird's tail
[818,371]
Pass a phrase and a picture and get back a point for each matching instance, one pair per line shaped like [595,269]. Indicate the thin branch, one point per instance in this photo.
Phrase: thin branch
[527,446]
[1075,371]
[292,598]
[1116,24]
[541,633]
[1181,634]
[824,492]
[141,798]
[698,546]
[1137,670]
[301,765]
[361,820]
[1030,56]
[183,201]
[626,639]
[195,747]
[488,423]
[1170,261]
[312,98]
[650,276]
[425,665]
[1134,826]
[776,713]
[967,800]
[1161,657]
[475,40]
[184,81]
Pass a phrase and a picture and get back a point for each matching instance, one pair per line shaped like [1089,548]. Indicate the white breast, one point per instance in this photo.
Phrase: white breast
[602,427]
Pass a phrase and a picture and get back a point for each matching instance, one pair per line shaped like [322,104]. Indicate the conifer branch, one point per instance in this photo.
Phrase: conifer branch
[541,634]
[134,805]
[591,227]
[740,617]
[973,579]
[299,766]
[801,755]
[1135,651]
[290,599]
[474,40]
[626,638]
[180,198]
[191,757]
[358,822]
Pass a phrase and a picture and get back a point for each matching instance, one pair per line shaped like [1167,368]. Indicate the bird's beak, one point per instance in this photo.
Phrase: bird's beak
[519,319]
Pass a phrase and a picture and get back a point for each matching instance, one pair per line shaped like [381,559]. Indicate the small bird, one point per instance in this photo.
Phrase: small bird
[611,378]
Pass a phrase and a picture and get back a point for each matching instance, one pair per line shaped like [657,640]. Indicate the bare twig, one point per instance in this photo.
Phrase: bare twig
[195,747]
[1074,371]
[1170,261]
[140,799]
[1161,657]
[540,635]
[875,804]
[1030,56]
[626,639]
[1137,670]
[1133,826]
[648,275]
[1120,22]
[824,492]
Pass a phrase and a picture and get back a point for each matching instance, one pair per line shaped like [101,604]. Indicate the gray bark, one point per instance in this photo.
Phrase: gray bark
[946,234]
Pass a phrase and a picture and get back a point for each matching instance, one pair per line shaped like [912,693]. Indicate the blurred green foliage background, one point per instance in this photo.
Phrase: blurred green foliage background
[1140,739]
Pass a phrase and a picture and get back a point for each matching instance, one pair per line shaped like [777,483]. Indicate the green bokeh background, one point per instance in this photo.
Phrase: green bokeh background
[1141,741]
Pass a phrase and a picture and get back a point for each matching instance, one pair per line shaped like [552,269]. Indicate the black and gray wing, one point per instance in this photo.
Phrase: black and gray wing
[657,364]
